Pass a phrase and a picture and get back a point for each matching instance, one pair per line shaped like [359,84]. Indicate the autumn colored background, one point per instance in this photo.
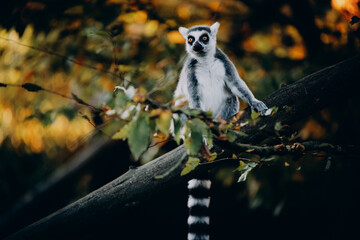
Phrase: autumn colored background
[87,47]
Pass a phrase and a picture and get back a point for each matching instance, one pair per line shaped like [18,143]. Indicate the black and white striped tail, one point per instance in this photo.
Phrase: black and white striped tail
[198,204]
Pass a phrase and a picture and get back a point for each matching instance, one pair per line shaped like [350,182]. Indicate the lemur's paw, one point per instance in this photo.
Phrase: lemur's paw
[260,107]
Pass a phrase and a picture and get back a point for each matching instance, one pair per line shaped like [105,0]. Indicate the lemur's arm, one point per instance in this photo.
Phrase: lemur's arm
[238,87]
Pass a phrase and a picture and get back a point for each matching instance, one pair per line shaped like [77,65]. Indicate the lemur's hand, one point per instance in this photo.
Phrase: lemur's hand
[259,106]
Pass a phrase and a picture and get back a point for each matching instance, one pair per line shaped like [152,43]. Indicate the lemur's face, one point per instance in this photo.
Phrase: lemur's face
[200,40]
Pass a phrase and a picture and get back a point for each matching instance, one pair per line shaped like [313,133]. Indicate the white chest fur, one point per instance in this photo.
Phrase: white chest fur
[211,80]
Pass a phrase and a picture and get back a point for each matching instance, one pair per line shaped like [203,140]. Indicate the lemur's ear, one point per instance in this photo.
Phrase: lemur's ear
[214,28]
[183,31]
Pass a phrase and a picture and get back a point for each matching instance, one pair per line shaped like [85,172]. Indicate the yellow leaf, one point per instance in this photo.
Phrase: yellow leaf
[124,68]
[190,165]
[140,95]
[77,10]
[35,5]
[184,11]
[297,52]
[237,127]
[109,2]
[213,157]
[214,5]
[140,16]
[163,121]
[150,28]
[175,37]
[155,112]
[279,146]
[250,150]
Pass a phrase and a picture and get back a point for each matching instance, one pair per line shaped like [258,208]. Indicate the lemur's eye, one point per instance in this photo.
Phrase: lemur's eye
[190,40]
[204,38]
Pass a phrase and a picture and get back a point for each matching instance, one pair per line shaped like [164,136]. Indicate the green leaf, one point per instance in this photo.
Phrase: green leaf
[195,131]
[193,143]
[31,87]
[227,126]
[177,130]
[241,166]
[191,112]
[209,138]
[278,126]
[45,118]
[190,165]
[209,114]
[69,112]
[254,115]
[274,110]
[198,125]
[231,136]
[120,99]
[240,133]
[123,133]
[139,136]
[245,171]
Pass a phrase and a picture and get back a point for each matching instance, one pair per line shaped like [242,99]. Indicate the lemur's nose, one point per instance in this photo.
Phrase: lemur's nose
[197,47]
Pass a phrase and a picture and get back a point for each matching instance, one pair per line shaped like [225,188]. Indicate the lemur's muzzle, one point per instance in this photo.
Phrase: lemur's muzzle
[197,47]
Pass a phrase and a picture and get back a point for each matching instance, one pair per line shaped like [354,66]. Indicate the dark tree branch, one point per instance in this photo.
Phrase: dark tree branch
[113,198]
[295,101]
[297,147]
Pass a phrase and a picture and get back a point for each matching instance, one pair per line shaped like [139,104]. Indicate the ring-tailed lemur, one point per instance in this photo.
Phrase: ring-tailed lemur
[208,81]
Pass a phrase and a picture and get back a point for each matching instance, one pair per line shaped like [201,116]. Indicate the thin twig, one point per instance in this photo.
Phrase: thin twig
[82,102]
[295,148]
[221,160]
[50,52]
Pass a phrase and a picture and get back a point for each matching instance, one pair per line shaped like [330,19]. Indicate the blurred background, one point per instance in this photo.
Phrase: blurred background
[87,47]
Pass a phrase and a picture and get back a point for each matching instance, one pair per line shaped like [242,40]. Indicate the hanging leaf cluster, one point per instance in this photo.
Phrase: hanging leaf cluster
[145,123]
